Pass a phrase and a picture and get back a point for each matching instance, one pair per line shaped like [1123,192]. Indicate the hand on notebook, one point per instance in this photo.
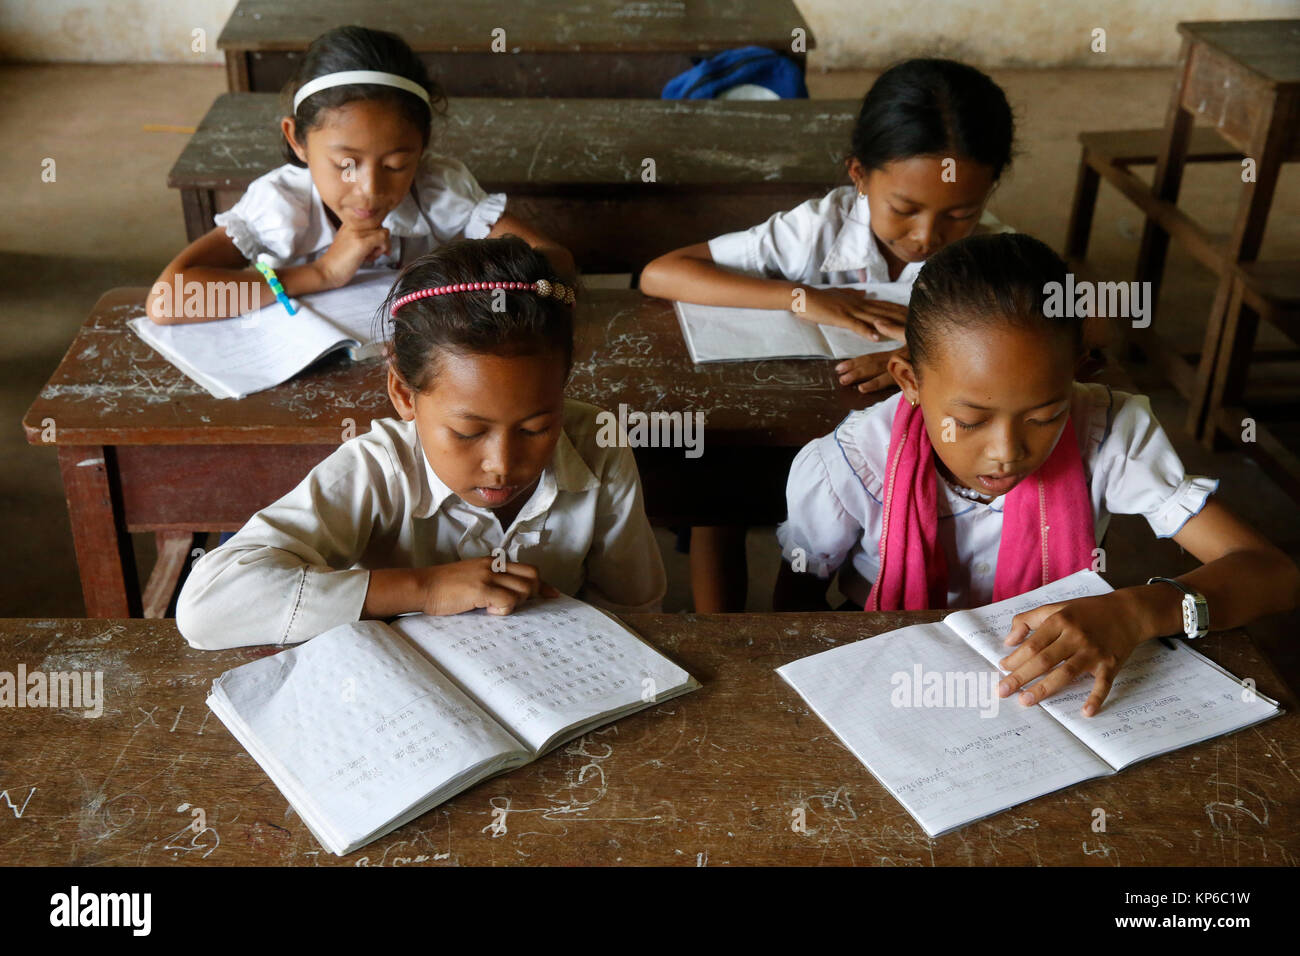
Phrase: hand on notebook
[1091,635]
[466,585]
[846,308]
[349,251]
[869,372]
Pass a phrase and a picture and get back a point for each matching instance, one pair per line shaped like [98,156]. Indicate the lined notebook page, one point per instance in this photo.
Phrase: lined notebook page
[551,665]
[232,358]
[1161,700]
[355,728]
[718,334]
[983,628]
[946,765]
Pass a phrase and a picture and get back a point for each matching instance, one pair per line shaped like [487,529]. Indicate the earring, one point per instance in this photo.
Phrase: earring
[913,403]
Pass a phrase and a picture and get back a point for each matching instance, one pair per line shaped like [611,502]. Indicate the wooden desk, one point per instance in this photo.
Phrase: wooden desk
[574,167]
[143,448]
[626,48]
[1243,76]
[709,779]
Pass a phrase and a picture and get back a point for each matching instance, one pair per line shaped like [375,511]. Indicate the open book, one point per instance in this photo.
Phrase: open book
[232,358]
[919,707]
[369,725]
[719,334]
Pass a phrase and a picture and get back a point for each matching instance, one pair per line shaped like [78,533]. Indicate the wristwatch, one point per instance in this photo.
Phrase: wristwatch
[1196,611]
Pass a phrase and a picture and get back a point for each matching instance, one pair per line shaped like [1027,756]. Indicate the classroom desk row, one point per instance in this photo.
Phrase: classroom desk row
[577,169]
[142,448]
[513,48]
[712,778]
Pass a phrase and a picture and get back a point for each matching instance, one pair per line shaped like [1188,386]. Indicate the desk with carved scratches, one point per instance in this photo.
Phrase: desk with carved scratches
[712,778]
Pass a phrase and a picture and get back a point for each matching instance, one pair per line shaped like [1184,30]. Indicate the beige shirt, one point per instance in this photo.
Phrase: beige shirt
[301,565]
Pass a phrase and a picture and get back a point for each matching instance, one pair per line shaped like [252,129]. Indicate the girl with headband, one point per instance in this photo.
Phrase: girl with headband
[492,489]
[357,188]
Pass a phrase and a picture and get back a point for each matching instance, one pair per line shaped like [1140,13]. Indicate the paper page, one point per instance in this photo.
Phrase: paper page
[553,664]
[919,708]
[1161,699]
[983,628]
[353,309]
[355,728]
[232,358]
[717,334]
[844,343]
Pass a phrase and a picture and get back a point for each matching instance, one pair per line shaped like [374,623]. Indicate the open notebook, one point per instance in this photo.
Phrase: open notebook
[949,765]
[370,725]
[232,358]
[719,334]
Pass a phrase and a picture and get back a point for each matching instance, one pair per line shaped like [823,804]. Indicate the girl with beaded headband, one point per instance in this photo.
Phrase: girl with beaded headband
[358,187]
[492,489]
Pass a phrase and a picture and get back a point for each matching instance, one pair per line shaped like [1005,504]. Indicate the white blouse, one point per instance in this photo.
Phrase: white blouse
[836,484]
[301,565]
[825,241]
[281,215]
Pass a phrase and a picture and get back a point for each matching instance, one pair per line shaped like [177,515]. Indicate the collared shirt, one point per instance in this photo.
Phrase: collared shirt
[282,216]
[825,241]
[301,565]
[836,485]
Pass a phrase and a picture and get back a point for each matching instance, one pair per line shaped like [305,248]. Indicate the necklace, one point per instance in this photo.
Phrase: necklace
[968,493]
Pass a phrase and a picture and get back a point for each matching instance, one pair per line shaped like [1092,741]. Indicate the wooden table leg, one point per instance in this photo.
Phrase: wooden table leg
[174,549]
[1081,210]
[237,71]
[105,558]
[199,206]
[1168,179]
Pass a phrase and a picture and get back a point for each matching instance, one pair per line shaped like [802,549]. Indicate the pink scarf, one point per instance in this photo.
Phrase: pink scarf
[913,571]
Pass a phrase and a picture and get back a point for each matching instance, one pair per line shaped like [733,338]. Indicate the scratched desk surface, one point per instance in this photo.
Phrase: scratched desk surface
[712,778]
[113,389]
[545,146]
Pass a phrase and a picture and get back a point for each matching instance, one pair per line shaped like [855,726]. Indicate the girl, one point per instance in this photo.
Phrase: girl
[931,141]
[992,443]
[492,489]
[357,187]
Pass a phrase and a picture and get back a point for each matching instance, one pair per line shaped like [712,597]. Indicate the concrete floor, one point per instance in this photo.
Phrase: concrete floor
[109,220]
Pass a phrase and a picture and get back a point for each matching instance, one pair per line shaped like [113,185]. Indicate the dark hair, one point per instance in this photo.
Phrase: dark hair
[357,48]
[465,322]
[933,107]
[987,280]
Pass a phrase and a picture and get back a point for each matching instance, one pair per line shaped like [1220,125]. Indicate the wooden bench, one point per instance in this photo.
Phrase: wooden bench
[713,778]
[624,48]
[1242,76]
[578,168]
[142,448]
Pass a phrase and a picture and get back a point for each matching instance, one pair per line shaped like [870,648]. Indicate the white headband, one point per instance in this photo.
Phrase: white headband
[358,76]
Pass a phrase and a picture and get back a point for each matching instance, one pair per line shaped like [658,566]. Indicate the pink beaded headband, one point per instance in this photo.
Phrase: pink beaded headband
[542,287]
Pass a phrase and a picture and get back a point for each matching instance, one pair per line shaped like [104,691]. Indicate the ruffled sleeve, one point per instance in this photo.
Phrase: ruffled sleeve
[454,202]
[1140,473]
[271,216]
[819,522]
[782,246]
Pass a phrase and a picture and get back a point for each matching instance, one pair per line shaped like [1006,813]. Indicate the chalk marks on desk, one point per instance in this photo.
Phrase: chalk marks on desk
[18,811]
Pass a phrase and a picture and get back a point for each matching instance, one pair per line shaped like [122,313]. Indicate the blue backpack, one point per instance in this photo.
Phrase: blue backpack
[747,66]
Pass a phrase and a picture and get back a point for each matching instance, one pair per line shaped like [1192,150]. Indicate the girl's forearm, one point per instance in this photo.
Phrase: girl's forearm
[219,300]
[394,591]
[688,279]
[1239,588]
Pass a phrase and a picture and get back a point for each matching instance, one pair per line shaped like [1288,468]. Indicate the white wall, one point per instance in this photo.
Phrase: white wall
[850,33]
